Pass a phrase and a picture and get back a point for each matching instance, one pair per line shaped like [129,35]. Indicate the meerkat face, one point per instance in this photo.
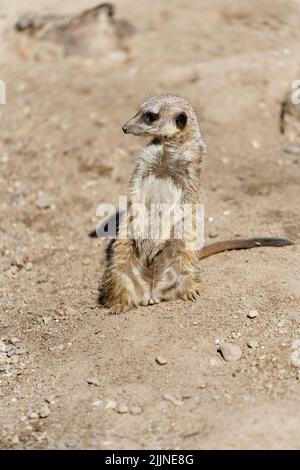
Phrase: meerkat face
[163,116]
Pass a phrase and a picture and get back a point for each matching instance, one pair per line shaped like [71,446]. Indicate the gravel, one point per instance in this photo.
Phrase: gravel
[252,313]
[173,397]
[295,358]
[161,360]
[3,348]
[44,412]
[111,405]
[230,352]
[122,409]
[296,344]
[43,200]
[71,442]
[292,149]
[93,381]
[252,343]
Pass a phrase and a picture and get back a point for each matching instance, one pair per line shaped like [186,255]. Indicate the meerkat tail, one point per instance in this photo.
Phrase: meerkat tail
[245,244]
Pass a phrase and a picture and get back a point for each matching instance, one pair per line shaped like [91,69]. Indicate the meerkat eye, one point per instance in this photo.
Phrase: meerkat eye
[181,120]
[150,117]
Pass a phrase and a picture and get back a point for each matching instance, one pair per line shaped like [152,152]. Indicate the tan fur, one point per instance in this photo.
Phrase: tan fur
[148,268]
[92,32]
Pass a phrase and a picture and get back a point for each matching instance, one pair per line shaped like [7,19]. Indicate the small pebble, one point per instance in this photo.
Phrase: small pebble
[174,398]
[252,313]
[34,415]
[202,385]
[44,412]
[255,144]
[71,442]
[93,381]
[122,409]
[292,149]
[252,343]
[43,200]
[28,266]
[14,341]
[230,352]
[295,358]
[3,348]
[111,405]
[161,360]
[296,344]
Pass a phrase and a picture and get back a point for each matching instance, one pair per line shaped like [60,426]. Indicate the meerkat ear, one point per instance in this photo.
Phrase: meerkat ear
[181,120]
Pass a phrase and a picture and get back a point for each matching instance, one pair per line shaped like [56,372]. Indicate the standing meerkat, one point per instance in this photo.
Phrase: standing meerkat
[145,266]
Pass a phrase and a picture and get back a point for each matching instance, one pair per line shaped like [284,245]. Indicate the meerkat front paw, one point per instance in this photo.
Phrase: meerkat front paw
[116,309]
[190,294]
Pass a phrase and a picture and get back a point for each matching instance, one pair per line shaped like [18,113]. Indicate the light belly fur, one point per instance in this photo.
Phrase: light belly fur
[158,198]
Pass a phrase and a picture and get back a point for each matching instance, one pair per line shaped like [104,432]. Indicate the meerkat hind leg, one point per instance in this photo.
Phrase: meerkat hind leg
[175,283]
[124,284]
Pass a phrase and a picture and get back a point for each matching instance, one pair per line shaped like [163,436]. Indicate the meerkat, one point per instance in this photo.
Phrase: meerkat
[146,268]
[95,31]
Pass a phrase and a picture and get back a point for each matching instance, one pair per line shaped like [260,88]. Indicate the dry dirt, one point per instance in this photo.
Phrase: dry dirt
[62,153]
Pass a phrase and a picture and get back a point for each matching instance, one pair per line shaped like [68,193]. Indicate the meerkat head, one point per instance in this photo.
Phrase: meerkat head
[164,116]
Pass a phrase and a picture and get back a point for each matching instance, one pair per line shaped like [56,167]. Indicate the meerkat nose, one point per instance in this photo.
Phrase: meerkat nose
[125,129]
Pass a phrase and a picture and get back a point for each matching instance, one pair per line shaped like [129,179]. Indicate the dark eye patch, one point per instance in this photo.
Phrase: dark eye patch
[181,120]
[150,117]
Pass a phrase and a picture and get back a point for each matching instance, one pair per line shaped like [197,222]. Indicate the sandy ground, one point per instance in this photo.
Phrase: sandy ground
[68,369]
